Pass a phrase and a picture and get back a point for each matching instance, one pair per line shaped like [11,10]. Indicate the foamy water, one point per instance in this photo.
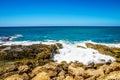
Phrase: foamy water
[70,51]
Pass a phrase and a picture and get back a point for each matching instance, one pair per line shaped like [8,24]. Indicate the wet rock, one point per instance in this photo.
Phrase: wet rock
[57,51]
[112,51]
[59,45]
[78,46]
[41,76]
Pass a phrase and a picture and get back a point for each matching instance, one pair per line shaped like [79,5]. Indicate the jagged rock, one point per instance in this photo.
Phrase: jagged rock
[59,45]
[60,77]
[25,76]
[76,70]
[51,65]
[41,76]
[113,76]
[112,51]
[35,71]
[57,51]
[62,73]
[10,68]
[96,73]
[69,78]
[78,78]
[113,67]
[78,46]
[23,68]
[14,77]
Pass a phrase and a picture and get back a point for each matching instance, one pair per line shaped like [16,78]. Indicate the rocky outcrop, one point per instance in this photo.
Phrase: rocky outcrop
[64,71]
[38,65]
[42,76]
[112,51]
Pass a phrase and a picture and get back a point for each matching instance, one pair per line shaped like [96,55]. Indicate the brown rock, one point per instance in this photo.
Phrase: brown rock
[23,68]
[113,76]
[41,76]
[10,68]
[35,71]
[14,77]
[76,70]
[78,46]
[25,76]
[69,78]
[113,67]
[79,78]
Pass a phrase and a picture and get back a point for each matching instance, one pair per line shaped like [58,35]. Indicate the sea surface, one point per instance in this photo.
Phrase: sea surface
[70,37]
[71,34]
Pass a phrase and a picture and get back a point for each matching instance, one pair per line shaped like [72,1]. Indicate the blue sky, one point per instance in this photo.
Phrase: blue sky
[59,12]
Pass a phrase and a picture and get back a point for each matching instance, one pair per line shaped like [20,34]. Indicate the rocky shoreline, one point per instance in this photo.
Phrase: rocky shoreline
[34,62]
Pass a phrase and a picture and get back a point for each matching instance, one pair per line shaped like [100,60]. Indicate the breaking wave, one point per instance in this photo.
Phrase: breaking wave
[70,51]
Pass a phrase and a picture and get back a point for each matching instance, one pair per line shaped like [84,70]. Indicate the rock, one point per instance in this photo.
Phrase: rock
[96,73]
[51,73]
[35,71]
[10,68]
[60,77]
[62,73]
[23,69]
[14,77]
[113,67]
[113,76]
[25,76]
[103,49]
[51,65]
[76,70]
[78,46]
[78,78]
[41,76]
[59,45]
[57,51]
[69,78]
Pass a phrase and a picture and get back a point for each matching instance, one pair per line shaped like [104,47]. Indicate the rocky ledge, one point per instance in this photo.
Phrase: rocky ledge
[34,62]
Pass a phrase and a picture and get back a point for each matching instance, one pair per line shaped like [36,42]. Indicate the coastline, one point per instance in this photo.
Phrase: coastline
[38,55]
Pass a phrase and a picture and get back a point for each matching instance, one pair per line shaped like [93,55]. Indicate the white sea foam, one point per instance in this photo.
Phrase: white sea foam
[70,51]
[9,38]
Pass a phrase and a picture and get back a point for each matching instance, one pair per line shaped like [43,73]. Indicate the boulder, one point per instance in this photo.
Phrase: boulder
[113,76]
[10,68]
[113,67]
[23,69]
[77,71]
[69,78]
[35,71]
[41,76]
[14,77]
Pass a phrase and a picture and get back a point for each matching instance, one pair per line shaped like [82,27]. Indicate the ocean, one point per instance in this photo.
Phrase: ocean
[71,34]
[70,37]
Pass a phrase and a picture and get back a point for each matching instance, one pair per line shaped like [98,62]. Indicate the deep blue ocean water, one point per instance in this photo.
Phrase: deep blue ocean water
[72,34]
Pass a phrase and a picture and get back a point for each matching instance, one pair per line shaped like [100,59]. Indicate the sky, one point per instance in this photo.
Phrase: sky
[59,13]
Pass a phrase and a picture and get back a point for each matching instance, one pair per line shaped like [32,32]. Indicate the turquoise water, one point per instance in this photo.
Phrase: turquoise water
[72,34]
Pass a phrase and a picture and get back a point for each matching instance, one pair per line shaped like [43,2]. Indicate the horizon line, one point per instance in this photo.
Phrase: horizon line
[60,26]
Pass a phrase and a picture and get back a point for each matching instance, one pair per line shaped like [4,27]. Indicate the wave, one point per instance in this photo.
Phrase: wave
[70,51]
[10,38]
